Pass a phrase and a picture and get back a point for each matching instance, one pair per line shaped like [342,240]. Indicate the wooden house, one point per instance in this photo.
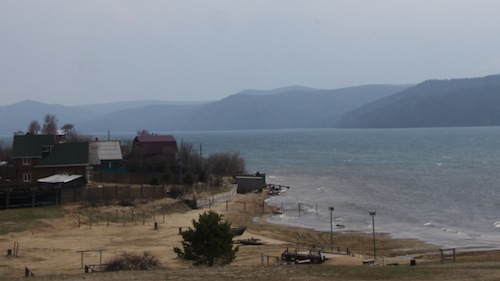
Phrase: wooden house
[156,145]
[106,156]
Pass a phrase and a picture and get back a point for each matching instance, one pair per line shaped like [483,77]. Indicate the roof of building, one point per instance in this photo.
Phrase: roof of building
[104,150]
[156,138]
[59,178]
[67,154]
[156,144]
[31,145]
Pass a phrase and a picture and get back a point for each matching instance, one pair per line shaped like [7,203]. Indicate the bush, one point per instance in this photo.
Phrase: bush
[128,261]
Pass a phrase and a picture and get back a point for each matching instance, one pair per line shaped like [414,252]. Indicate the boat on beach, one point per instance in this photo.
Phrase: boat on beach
[237,231]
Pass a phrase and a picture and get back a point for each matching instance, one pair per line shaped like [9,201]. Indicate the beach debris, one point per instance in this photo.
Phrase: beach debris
[276,189]
[369,262]
[313,256]
[237,231]
[250,241]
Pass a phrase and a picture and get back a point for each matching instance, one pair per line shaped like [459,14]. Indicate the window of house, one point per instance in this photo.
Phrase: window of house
[26,161]
[27,177]
[46,150]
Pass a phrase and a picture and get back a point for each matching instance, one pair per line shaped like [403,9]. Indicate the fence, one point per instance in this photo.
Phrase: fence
[217,198]
[114,193]
[124,216]
[300,207]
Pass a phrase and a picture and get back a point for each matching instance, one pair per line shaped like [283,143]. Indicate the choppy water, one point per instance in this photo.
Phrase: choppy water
[439,185]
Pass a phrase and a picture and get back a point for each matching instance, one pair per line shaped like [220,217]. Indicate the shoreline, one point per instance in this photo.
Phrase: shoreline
[52,249]
[388,245]
[440,237]
[359,243]
[462,248]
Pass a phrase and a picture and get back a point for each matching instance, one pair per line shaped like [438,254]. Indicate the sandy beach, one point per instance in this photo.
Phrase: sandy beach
[55,249]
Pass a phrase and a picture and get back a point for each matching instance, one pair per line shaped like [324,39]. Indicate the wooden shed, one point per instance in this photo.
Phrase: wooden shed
[250,183]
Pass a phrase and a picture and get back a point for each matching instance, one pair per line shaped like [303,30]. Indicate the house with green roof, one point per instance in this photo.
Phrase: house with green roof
[66,158]
[27,151]
[42,156]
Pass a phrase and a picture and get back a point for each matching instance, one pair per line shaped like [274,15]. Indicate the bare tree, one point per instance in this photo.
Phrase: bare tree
[188,156]
[143,133]
[72,135]
[230,164]
[68,128]
[50,124]
[34,127]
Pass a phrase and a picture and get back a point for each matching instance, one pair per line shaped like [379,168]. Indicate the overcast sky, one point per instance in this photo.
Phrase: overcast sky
[81,52]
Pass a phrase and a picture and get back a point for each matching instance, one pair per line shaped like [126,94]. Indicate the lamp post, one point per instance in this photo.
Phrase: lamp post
[373,227]
[331,227]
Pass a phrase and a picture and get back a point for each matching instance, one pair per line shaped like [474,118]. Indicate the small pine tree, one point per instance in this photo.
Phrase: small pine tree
[210,242]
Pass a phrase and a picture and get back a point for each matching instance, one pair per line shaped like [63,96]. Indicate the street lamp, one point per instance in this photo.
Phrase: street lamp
[373,227]
[331,227]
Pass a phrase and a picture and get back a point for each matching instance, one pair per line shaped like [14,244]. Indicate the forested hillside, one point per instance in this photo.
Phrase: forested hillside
[433,103]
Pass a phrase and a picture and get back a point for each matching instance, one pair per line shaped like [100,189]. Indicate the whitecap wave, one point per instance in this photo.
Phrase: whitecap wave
[447,230]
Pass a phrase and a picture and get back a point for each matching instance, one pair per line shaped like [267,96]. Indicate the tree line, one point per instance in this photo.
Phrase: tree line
[50,127]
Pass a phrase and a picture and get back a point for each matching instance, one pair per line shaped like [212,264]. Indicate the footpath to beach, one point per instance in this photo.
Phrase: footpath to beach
[57,250]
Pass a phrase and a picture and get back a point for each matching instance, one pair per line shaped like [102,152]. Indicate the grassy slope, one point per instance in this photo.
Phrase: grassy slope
[17,220]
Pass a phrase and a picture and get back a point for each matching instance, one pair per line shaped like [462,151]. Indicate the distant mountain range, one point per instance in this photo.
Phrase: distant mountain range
[457,102]
[434,103]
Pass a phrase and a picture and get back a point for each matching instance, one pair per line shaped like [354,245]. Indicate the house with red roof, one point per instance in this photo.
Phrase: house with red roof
[156,148]
[156,144]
